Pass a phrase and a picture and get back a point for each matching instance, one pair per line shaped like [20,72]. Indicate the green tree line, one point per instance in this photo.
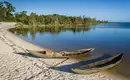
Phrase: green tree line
[7,13]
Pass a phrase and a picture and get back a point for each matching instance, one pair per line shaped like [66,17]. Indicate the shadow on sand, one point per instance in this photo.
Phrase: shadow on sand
[67,68]
[27,54]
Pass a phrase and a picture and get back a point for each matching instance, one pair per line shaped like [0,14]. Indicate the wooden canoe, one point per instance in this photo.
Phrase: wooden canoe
[99,65]
[62,54]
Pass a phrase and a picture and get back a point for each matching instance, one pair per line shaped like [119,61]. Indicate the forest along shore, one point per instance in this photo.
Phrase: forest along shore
[18,67]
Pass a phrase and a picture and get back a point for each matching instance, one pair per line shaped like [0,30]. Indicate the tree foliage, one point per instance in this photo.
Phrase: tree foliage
[6,11]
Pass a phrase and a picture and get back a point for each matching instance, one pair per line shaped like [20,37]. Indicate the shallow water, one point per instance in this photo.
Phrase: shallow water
[111,38]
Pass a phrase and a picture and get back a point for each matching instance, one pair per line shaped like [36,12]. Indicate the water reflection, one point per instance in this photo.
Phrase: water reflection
[52,30]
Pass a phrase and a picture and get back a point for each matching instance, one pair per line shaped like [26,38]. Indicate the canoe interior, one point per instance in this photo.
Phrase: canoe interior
[78,52]
[106,62]
[75,53]
[42,52]
[111,62]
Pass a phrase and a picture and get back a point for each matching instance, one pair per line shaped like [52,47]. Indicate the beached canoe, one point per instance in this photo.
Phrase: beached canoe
[62,54]
[99,65]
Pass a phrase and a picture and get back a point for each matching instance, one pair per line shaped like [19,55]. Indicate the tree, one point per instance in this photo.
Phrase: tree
[21,17]
[2,11]
[10,8]
[6,11]
[32,19]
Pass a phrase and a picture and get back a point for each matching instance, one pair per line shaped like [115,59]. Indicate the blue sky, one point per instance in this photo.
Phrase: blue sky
[111,10]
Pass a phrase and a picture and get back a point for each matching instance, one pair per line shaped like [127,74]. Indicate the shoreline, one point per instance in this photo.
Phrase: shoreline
[21,67]
[26,40]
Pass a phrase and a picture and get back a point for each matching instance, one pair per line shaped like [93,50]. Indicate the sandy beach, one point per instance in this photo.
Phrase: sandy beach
[14,66]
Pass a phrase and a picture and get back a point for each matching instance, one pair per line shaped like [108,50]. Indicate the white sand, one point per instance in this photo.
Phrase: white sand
[18,67]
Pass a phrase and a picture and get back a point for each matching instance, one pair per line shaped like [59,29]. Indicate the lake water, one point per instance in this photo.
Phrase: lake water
[111,38]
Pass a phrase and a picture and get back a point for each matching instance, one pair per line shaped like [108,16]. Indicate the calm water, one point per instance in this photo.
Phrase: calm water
[109,38]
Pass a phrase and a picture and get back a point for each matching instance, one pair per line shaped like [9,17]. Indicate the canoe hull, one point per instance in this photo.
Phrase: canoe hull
[111,64]
[60,54]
